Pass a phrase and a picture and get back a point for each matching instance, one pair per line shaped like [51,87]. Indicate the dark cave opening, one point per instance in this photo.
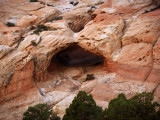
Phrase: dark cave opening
[74,56]
[77,56]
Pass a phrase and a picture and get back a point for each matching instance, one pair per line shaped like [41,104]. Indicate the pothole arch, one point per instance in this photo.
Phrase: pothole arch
[72,59]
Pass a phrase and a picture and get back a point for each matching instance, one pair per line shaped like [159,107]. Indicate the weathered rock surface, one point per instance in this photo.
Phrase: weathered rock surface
[136,4]
[31,72]
[9,35]
[156,66]
[148,29]
[133,59]
[51,42]
[4,50]
[77,19]
[156,54]
[45,14]
[136,54]
[102,36]
[26,21]
[10,63]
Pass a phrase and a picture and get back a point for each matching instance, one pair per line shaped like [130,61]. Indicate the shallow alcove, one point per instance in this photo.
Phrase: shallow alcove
[73,60]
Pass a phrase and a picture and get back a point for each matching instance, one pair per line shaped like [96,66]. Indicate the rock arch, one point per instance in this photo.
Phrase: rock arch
[76,58]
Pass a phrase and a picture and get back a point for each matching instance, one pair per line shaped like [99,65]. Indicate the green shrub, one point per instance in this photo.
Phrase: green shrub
[72,2]
[33,0]
[9,24]
[75,3]
[32,27]
[56,18]
[41,28]
[33,43]
[139,107]
[155,43]
[145,107]
[50,5]
[83,107]
[152,9]
[90,77]
[40,112]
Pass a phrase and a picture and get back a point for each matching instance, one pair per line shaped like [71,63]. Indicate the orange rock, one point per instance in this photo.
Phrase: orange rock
[102,36]
[134,62]
[77,19]
[156,66]
[103,92]
[9,35]
[148,29]
[45,14]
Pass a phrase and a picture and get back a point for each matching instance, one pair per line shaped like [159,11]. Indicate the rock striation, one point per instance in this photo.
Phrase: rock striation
[119,37]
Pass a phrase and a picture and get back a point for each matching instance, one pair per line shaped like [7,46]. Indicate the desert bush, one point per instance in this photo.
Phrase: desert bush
[72,2]
[83,107]
[90,77]
[75,3]
[40,112]
[9,24]
[139,107]
[152,9]
[56,18]
[33,0]
[41,28]
[155,43]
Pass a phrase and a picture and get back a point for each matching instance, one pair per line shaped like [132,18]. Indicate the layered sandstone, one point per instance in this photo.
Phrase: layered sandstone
[53,65]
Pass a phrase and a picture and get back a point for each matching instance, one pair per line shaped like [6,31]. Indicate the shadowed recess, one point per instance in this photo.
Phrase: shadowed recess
[77,56]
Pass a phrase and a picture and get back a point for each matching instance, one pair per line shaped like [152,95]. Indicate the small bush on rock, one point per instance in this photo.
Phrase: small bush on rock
[72,2]
[90,77]
[75,3]
[41,28]
[33,0]
[9,24]
[40,112]
[153,9]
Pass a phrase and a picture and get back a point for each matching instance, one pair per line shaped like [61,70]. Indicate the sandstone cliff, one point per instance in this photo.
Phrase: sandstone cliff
[104,47]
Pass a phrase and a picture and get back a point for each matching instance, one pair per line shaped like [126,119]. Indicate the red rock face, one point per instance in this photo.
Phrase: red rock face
[156,66]
[126,38]
[16,92]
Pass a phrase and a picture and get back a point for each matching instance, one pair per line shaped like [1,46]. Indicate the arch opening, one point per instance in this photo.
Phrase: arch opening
[77,56]
[74,57]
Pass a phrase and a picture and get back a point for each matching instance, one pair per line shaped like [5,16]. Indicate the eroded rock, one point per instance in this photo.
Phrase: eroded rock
[128,44]
[4,50]
[77,19]
[45,13]
[148,29]
[9,35]
[99,35]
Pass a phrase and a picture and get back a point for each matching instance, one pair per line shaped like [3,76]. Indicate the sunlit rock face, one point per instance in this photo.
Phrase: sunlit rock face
[102,47]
